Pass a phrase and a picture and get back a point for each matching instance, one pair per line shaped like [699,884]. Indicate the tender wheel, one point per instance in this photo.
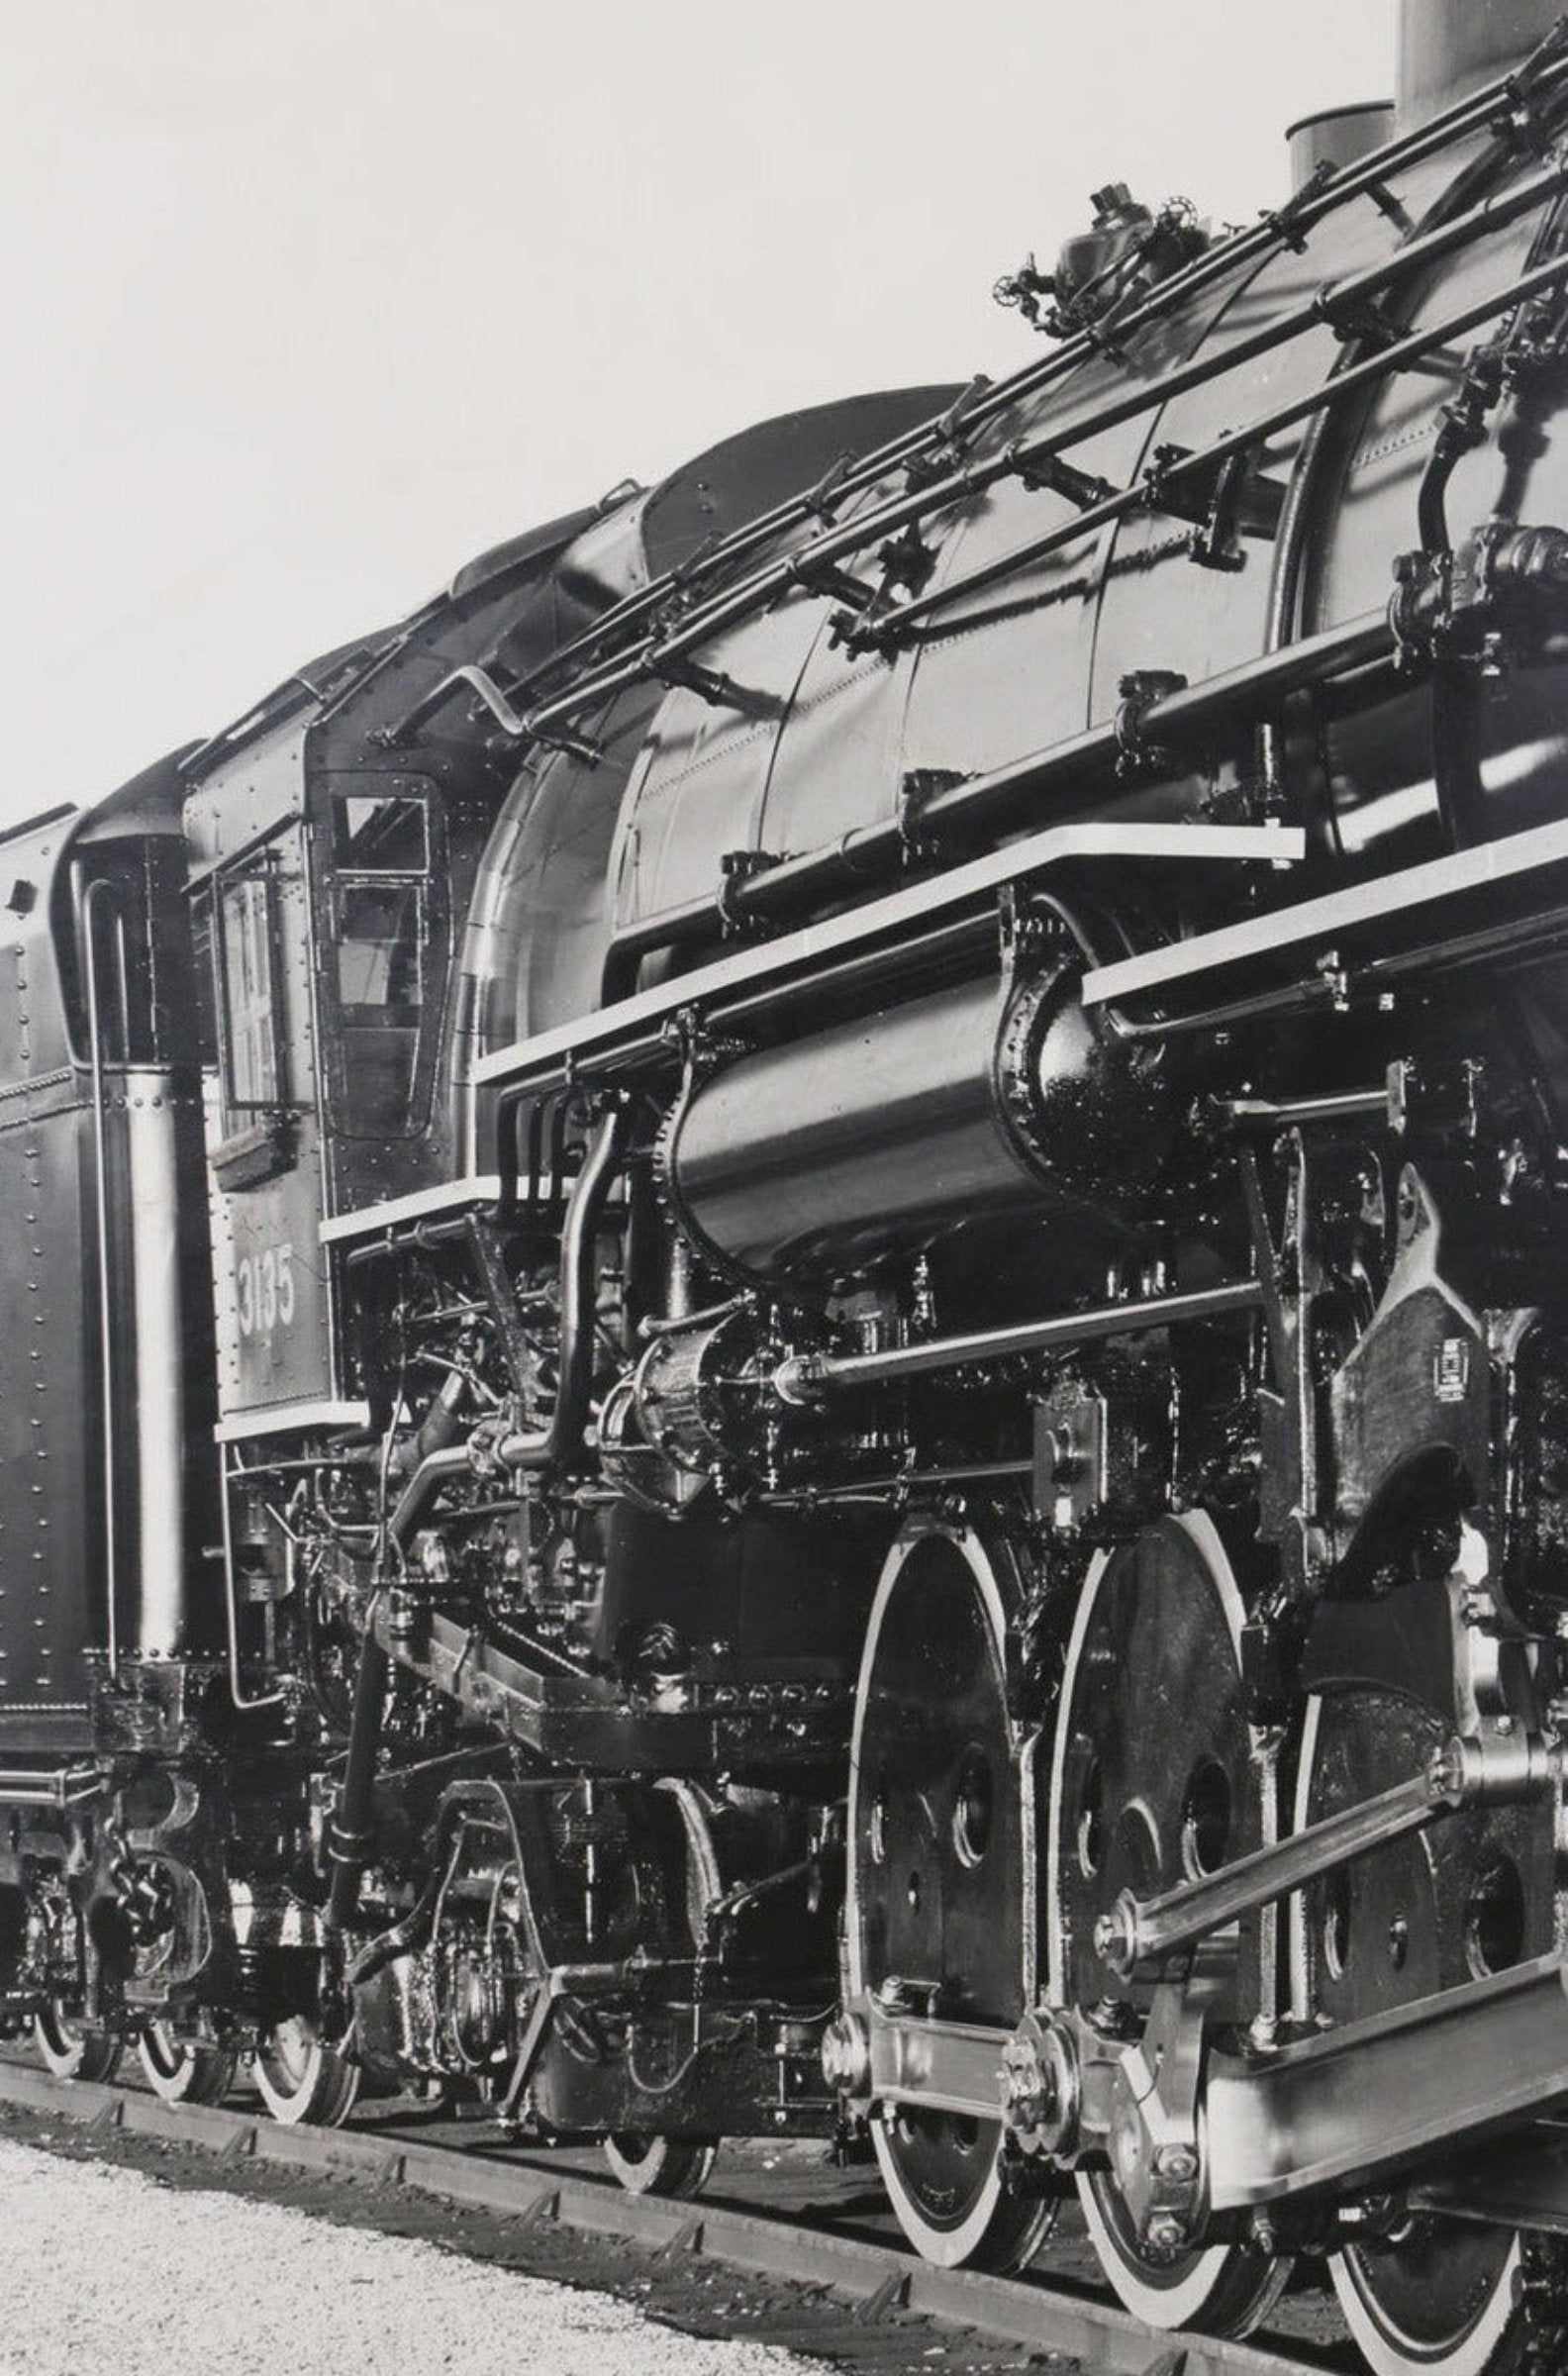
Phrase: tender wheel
[1472,1896]
[941,1839]
[71,2052]
[301,2079]
[660,2165]
[186,2070]
[1152,1781]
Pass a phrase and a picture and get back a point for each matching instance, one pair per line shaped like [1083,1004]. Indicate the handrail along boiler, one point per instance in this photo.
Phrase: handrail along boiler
[788,1301]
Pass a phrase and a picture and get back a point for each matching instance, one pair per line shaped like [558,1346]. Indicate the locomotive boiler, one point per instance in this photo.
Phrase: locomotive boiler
[788,1300]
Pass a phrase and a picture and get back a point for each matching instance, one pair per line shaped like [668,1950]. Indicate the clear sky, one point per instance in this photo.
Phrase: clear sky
[306,302]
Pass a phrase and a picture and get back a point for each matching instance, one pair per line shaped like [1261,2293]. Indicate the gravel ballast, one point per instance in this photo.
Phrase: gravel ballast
[105,2272]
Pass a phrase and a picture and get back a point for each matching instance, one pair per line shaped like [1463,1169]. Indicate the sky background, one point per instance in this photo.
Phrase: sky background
[306,303]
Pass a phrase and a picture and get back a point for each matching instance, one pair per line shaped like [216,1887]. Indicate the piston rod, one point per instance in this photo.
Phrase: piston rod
[806,1376]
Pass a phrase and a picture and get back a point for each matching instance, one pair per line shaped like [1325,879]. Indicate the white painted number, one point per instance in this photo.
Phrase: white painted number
[264,1290]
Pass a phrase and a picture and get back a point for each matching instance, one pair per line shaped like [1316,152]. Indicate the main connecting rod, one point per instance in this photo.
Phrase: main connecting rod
[1466,1773]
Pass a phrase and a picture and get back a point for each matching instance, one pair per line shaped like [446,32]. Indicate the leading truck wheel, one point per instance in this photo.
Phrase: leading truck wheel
[941,1839]
[1152,1782]
[303,2081]
[1433,2297]
[71,2052]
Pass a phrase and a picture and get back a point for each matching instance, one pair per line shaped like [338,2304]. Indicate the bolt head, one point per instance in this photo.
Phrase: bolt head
[1165,2238]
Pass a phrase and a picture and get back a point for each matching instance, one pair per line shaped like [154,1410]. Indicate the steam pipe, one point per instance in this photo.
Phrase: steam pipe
[348,1835]
[560,1439]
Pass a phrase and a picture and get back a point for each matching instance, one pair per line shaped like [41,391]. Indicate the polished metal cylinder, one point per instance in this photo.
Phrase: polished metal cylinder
[882,1135]
[151,1203]
[870,1138]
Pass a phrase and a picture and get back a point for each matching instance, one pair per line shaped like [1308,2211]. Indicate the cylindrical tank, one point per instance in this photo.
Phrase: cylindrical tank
[1445,46]
[879,1136]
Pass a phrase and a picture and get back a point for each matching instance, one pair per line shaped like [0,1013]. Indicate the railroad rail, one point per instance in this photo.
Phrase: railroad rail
[1035,2314]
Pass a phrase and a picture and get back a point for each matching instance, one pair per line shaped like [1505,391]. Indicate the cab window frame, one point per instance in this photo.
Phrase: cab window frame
[379,848]
[239,903]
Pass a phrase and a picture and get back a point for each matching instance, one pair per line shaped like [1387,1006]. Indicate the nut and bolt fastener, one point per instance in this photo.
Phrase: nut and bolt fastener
[1165,2238]
[1177,2161]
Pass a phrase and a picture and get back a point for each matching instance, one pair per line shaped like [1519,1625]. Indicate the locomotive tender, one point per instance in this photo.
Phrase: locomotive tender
[787,1302]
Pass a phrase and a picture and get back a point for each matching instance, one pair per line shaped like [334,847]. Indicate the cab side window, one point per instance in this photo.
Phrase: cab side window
[386,934]
[237,917]
[248,1019]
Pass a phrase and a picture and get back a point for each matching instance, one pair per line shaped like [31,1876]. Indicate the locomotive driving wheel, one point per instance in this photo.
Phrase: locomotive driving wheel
[1433,1910]
[1153,1781]
[939,1845]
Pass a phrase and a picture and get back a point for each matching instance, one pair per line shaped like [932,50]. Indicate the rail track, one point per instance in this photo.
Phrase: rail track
[809,2235]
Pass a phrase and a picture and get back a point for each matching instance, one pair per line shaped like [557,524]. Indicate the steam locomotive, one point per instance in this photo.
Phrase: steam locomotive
[788,1301]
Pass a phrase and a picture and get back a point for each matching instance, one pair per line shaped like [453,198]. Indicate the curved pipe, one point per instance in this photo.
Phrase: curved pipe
[561,1438]
[349,1836]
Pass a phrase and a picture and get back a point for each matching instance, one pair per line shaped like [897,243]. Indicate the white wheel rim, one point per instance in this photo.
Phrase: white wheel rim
[299,2072]
[1391,2354]
[164,2061]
